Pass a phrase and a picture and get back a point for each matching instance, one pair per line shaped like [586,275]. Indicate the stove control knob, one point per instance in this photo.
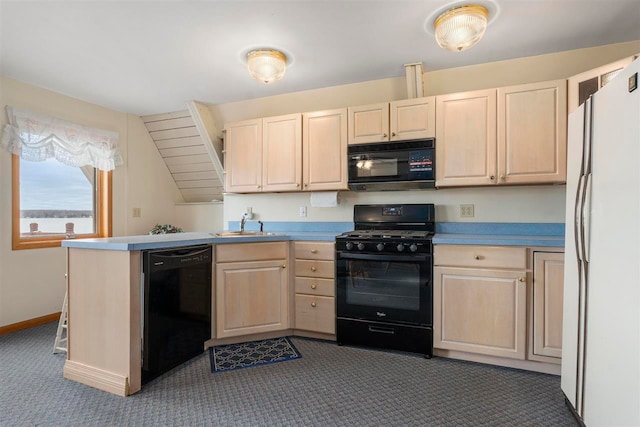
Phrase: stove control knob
[400,247]
[413,247]
[360,246]
[349,246]
[380,246]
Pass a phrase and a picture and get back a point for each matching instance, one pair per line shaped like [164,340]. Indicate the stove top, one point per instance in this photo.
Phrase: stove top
[387,234]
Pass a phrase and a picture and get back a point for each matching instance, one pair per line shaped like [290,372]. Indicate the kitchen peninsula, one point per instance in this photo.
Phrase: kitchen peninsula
[104,301]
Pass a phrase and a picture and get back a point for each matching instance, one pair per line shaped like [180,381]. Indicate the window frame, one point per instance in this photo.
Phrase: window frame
[103,211]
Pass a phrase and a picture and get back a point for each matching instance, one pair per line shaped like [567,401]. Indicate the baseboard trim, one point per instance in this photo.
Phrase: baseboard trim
[97,378]
[545,368]
[14,327]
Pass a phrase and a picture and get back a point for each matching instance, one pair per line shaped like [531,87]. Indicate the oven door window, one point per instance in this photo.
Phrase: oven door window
[392,290]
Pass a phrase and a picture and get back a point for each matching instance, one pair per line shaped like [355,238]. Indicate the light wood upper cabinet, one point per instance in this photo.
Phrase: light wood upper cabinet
[324,148]
[546,306]
[466,138]
[510,135]
[243,156]
[413,118]
[369,123]
[532,133]
[252,288]
[282,153]
[407,119]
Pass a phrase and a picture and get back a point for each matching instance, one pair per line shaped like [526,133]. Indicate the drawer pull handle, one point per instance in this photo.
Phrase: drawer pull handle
[477,257]
[313,304]
[314,251]
[313,286]
[523,279]
[313,269]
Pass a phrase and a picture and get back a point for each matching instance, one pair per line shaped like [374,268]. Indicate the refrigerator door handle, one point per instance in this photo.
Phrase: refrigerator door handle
[586,219]
[577,223]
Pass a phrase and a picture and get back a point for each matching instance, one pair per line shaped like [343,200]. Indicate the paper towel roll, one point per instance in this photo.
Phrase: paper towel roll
[325,199]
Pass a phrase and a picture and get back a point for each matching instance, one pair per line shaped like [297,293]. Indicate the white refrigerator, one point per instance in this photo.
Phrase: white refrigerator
[601,319]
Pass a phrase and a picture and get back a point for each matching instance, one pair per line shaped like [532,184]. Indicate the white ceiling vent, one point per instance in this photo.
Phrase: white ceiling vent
[188,144]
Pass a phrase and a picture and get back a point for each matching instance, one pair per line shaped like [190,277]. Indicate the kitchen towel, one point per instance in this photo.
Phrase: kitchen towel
[324,199]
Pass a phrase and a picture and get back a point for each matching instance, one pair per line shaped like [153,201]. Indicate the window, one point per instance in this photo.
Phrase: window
[53,202]
[61,178]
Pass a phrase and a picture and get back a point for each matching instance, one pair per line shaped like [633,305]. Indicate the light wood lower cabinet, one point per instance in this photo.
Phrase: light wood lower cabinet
[315,287]
[252,292]
[480,311]
[546,307]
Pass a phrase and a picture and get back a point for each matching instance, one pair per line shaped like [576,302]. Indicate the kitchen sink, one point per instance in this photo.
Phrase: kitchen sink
[239,233]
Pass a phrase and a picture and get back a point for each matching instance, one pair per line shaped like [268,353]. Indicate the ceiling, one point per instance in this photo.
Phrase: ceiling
[145,57]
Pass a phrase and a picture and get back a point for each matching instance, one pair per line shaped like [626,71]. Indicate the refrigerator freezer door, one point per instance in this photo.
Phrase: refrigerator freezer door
[612,372]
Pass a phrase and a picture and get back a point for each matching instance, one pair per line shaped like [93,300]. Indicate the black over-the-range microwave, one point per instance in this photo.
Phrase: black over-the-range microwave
[392,165]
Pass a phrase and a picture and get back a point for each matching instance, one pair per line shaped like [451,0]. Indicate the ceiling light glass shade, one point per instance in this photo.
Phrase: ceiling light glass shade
[462,27]
[266,65]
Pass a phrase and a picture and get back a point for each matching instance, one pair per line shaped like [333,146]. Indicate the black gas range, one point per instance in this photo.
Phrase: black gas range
[384,272]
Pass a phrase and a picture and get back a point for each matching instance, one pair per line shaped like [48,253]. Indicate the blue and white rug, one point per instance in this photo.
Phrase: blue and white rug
[235,356]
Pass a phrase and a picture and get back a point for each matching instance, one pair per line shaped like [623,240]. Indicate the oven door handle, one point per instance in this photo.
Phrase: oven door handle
[375,257]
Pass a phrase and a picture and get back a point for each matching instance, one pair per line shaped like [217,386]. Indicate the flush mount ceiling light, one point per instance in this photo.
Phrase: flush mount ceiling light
[461,28]
[266,65]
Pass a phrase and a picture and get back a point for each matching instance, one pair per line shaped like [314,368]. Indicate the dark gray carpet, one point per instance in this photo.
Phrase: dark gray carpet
[328,386]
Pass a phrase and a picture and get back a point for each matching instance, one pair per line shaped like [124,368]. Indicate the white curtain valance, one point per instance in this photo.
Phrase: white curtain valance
[36,137]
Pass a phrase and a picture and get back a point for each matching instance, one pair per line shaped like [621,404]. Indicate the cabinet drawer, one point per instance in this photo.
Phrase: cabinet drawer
[313,286]
[309,268]
[316,314]
[480,256]
[234,252]
[314,250]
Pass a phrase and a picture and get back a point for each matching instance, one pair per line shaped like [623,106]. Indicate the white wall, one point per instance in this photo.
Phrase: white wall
[495,204]
[32,281]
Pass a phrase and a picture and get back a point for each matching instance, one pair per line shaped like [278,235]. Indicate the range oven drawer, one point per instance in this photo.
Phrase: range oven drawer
[416,339]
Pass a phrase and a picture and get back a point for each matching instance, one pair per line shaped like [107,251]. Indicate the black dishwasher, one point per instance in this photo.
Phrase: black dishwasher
[176,307]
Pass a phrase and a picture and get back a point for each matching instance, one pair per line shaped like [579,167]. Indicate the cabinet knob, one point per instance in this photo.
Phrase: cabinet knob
[477,257]
[393,134]
[314,251]
[384,135]
[502,177]
[313,286]
[257,186]
[313,269]
[492,177]
[284,266]
[313,304]
[297,185]
[523,279]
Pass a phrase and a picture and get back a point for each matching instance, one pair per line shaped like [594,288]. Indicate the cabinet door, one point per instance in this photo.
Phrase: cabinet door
[282,153]
[532,133]
[480,311]
[466,138]
[413,119]
[243,156]
[369,123]
[324,150]
[548,291]
[251,297]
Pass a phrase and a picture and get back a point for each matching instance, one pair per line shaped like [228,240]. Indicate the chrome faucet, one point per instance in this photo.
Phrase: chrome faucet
[243,221]
[261,226]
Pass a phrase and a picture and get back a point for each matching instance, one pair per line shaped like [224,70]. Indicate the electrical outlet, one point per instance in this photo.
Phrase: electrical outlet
[137,212]
[466,211]
[303,211]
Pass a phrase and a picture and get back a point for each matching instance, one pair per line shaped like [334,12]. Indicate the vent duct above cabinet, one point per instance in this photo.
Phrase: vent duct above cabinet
[189,146]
